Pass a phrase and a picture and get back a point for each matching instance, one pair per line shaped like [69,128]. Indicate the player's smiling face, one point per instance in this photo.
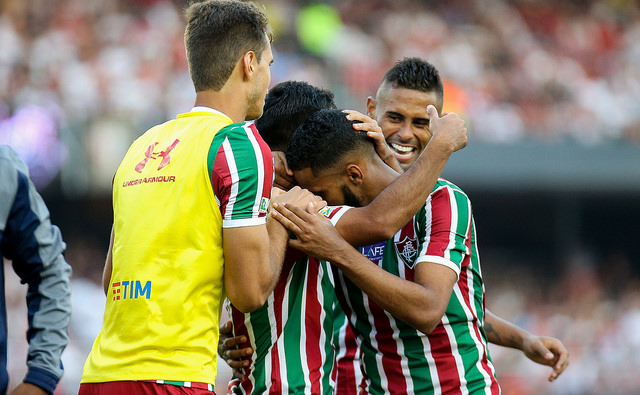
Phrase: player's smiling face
[402,115]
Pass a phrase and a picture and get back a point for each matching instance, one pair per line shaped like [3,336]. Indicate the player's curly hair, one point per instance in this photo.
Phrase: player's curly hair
[324,139]
[218,34]
[416,74]
[286,106]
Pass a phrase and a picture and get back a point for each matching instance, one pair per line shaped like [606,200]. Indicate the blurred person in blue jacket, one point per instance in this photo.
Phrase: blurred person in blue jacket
[35,247]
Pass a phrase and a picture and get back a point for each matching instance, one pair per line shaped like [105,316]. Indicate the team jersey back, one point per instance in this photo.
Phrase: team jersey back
[171,199]
[454,358]
[291,334]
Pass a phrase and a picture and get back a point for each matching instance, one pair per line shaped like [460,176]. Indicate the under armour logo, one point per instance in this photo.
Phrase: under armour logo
[150,153]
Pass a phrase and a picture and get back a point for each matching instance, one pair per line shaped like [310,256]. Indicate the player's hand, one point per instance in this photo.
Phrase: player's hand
[448,129]
[28,389]
[374,131]
[228,350]
[315,235]
[547,351]
[299,197]
[284,176]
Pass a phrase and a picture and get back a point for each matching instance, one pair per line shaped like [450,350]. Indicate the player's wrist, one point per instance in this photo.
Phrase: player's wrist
[441,143]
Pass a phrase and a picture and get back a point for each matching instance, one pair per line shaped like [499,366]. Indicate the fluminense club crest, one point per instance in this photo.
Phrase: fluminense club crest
[407,250]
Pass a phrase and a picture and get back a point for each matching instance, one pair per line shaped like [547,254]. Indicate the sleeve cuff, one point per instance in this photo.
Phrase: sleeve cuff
[440,261]
[42,378]
[238,223]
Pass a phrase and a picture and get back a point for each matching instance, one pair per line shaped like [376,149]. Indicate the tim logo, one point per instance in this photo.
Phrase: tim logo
[374,252]
[131,290]
[407,250]
[151,154]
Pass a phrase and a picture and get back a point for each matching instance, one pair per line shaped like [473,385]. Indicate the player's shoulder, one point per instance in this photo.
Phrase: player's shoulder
[239,129]
[443,185]
[10,160]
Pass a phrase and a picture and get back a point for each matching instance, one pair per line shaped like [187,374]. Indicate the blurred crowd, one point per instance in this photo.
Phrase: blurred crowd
[79,80]
[105,70]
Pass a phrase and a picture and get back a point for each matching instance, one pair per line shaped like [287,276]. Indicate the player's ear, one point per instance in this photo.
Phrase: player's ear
[248,65]
[354,174]
[371,107]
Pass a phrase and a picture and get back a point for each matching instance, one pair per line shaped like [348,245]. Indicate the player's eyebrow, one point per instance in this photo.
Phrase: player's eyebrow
[396,114]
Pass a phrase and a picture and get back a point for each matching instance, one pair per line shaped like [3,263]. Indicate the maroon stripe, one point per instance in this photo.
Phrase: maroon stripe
[440,224]
[387,347]
[221,180]
[267,159]
[346,380]
[446,365]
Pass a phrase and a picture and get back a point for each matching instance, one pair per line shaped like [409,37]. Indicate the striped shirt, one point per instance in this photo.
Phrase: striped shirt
[454,358]
[292,334]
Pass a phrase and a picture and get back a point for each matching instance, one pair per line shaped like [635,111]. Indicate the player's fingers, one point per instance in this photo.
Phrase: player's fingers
[238,355]
[354,115]
[239,373]
[544,352]
[282,214]
[316,206]
[377,137]
[297,215]
[234,341]
[225,328]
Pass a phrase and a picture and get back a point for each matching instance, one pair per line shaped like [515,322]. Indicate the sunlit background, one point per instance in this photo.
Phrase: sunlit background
[550,91]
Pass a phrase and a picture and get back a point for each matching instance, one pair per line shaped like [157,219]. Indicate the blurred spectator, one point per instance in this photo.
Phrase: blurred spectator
[36,250]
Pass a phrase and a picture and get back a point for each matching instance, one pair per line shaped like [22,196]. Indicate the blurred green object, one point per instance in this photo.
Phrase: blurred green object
[317,26]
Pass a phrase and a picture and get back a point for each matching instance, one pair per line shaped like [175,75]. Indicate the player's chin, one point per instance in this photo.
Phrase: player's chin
[406,160]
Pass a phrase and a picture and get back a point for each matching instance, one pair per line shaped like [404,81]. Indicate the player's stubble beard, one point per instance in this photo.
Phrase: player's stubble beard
[256,103]
[350,199]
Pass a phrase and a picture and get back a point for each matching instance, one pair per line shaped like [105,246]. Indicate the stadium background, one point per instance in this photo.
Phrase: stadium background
[550,91]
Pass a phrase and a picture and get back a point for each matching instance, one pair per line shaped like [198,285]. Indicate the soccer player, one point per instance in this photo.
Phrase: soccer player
[400,108]
[292,333]
[418,310]
[190,199]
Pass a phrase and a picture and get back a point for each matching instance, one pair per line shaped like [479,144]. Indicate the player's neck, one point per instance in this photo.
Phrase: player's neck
[224,101]
[383,177]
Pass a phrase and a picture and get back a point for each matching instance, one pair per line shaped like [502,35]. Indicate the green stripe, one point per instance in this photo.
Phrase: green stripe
[356,299]
[260,319]
[292,348]
[330,305]
[461,206]
[467,348]
[247,166]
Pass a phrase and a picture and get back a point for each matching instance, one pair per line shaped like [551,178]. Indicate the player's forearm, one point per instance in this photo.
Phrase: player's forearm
[503,333]
[406,300]
[278,238]
[397,203]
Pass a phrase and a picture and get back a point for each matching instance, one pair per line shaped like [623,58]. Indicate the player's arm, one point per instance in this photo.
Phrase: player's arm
[383,217]
[540,349]
[241,169]
[420,304]
[108,265]
[36,249]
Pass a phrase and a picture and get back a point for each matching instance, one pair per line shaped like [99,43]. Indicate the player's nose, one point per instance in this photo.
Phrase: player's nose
[405,133]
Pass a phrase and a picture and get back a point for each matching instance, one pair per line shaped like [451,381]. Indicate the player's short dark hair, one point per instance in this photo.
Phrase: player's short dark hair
[218,34]
[324,139]
[286,106]
[416,74]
